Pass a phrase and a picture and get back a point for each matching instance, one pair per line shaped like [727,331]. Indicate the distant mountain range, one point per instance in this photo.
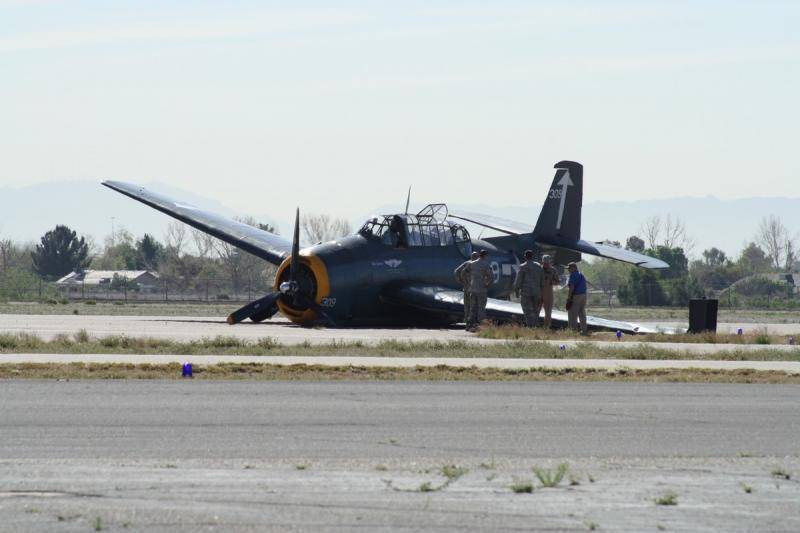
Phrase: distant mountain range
[27,212]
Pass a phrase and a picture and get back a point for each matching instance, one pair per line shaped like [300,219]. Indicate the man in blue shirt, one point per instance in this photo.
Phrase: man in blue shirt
[576,301]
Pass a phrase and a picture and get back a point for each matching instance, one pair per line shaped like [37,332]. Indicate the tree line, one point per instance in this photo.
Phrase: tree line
[771,250]
[184,258]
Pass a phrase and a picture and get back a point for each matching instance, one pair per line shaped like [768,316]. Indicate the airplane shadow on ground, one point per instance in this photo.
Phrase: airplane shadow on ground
[297,326]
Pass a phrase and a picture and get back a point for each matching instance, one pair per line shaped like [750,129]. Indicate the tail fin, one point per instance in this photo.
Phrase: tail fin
[561,212]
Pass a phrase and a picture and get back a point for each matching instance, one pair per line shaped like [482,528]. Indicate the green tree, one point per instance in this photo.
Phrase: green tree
[119,253]
[59,253]
[15,256]
[642,288]
[148,252]
[668,286]
[753,260]
[606,274]
[119,283]
[675,258]
[715,271]
[634,244]
[715,257]
[17,284]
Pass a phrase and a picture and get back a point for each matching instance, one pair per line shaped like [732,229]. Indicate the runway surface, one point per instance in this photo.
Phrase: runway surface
[339,456]
[284,332]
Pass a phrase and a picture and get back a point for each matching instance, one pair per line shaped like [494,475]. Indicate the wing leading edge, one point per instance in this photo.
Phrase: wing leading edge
[258,242]
[606,250]
[435,299]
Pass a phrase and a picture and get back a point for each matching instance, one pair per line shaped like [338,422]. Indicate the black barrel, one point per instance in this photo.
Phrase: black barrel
[703,315]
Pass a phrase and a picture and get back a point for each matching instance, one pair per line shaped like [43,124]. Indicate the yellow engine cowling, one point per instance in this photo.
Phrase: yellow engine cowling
[320,273]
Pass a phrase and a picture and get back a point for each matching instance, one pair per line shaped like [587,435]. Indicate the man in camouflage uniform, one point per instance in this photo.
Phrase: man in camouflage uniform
[462,275]
[480,278]
[551,279]
[528,286]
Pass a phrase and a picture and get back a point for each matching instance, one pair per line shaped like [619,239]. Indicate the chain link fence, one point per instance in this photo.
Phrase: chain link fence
[197,291]
[661,294]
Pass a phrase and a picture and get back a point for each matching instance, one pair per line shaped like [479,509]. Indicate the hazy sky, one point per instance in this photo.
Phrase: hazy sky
[340,108]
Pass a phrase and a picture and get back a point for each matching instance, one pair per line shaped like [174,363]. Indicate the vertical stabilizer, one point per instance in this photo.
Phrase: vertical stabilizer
[561,212]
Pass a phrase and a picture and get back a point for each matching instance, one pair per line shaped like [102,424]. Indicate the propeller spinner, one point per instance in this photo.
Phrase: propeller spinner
[289,291]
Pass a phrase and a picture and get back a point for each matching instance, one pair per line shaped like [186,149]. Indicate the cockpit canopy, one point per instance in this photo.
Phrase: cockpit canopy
[429,227]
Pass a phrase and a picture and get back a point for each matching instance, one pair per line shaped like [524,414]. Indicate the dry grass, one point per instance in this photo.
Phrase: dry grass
[258,371]
[516,332]
[84,343]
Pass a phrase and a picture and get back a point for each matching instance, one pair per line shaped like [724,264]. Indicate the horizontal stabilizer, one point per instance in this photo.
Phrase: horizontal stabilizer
[509,227]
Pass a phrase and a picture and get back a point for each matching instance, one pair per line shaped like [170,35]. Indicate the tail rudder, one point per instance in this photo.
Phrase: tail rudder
[561,212]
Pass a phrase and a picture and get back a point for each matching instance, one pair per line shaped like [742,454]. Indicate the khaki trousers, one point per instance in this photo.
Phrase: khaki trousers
[467,306]
[547,303]
[578,312]
[477,309]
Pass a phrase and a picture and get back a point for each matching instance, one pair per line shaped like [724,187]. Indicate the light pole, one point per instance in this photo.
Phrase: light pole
[112,232]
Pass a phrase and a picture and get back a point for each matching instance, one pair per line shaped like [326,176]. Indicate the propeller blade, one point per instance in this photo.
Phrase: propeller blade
[295,248]
[253,308]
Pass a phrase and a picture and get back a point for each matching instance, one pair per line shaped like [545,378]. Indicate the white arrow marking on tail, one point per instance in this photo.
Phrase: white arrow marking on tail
[565,182]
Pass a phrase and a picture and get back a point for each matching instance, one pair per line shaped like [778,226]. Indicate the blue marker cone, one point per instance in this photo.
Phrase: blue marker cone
[562,347]
[619,335]
[739,331]
[187,370]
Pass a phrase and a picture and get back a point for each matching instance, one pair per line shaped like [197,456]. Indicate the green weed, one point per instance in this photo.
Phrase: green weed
[781,473]
[452,472]
[521,486]
[668,498]
[550,477]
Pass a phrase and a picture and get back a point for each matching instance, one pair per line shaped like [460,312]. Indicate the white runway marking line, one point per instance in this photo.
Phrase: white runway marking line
[791,367]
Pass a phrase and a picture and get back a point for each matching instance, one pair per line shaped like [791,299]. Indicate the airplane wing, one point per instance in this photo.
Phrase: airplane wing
[509,227]
[435,299]
[606,250]
[258,242]
[620,254]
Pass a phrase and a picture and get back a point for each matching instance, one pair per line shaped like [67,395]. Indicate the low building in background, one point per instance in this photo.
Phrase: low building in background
[132,279]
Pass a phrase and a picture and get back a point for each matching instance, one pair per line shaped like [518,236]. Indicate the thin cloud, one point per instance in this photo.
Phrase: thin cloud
[566,66]
[244,26]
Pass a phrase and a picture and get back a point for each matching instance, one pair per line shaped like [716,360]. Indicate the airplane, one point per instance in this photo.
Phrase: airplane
[397,269]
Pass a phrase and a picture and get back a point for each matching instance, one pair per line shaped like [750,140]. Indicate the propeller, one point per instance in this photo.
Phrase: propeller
[263,307]
[288,291]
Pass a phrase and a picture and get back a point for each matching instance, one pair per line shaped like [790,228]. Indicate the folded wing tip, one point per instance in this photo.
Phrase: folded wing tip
[112,184]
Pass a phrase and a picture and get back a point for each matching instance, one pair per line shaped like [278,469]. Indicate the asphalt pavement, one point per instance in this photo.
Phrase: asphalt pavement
[343,456]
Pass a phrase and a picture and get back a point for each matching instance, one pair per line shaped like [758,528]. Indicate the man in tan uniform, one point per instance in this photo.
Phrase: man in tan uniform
[480,277]
[462,275]
[528,286]
[551,279]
